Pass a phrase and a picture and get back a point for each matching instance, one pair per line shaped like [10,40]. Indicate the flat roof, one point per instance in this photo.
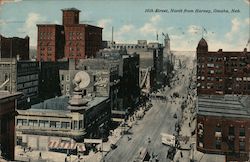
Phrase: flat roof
[224,106]
[60,104]
[7,94]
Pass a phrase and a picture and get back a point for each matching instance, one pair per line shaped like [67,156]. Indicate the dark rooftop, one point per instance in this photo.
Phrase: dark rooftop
[225,106]
[71,9]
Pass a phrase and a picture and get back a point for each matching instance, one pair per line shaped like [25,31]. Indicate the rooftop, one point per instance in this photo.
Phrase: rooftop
[60,104]
[71,9]
[8,95]
[224,106]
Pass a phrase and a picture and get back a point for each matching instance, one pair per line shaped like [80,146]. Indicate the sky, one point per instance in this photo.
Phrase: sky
[223,30]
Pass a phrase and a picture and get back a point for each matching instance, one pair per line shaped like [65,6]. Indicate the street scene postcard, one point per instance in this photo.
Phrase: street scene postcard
[124,81]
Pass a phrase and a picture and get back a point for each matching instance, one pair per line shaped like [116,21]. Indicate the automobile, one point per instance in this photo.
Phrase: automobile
[113,146]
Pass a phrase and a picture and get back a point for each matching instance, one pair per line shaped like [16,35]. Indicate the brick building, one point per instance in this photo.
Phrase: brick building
[14,47]
[7,123]
[69,40]
[50,42]
[223,124]
[222,72]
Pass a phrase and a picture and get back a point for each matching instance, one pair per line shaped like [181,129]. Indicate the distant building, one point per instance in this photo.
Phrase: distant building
[49,79]
[14,47]
[50,42]
[222,72]
[24,78]
[7,120]
[151,62]
[129,85]
[223,123]
[69,40]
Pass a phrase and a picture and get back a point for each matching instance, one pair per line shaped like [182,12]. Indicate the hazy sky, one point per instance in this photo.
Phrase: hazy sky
[229,31]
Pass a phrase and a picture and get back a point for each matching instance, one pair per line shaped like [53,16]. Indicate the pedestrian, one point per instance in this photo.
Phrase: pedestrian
[40,155]
[181,155]
[65,160]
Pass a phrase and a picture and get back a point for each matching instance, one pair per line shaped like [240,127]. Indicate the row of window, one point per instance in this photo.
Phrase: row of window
[51,124]
[28,84]
[232,58]
[218,137]
[27,78]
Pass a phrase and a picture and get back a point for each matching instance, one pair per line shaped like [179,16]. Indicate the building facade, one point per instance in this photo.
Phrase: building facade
[24,78]
[223,124]
[14,47]
[7,123]
[128,87]
[69,40]
[50,42]
[151,59]
[55,119]
[222,72]
[49,79]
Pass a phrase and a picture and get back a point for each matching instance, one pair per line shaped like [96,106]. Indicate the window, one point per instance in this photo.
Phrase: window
[75,124]
[62,77]
[218,144]
[242,145]
[242,131]
[231,130]
[94,88]
[33,123]
[52,124]
[67,77]
[43,123]
[80,124]
[65,125]
[21,122]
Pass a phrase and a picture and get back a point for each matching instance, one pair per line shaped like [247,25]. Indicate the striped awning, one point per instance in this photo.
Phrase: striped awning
[56,144]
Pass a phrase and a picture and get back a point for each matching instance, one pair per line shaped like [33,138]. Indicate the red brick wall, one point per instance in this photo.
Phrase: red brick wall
[70,17]
[233,72]
[74,41]
[50,42]
[209,126]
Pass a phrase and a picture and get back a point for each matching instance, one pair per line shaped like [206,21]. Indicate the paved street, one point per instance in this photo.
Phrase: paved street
[159,119]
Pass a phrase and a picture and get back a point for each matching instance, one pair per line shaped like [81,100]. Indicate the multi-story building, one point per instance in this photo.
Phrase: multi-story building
[57,120]
[7,126]
[128,87]
[223,88]
[50,42]
[24,78]
[223,124]
[14,47]
[49,81]
[69,40]
[151,62]
[222,72]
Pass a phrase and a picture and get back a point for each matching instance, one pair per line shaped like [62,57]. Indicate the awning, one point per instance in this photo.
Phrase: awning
[56,144]
[53,144]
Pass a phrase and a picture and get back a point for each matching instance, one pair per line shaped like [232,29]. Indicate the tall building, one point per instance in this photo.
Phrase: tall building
[69,40]
[222,72]
[24,78]
[50,42]
[223,88]
[151,62]
[14,47]
[223,124]
[7,120]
